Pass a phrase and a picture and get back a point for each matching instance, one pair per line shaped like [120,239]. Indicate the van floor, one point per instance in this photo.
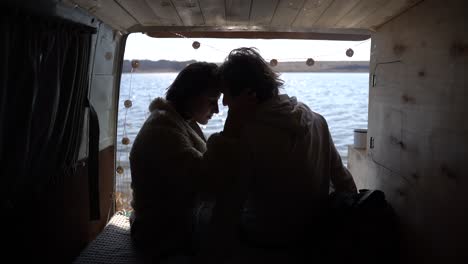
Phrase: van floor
[113,245]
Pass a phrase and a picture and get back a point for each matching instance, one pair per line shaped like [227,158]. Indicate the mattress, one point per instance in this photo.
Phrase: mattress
[112,245]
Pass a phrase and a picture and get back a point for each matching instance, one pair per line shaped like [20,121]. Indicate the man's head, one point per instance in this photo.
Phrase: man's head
[245,72]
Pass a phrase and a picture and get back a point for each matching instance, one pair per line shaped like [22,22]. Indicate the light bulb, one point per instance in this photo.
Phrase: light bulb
[128,103]
[273,62]
[125,141]
[120,170]
[135,64]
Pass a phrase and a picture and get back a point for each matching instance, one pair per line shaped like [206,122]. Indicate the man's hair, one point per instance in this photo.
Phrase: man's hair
[192,81]
[244,68]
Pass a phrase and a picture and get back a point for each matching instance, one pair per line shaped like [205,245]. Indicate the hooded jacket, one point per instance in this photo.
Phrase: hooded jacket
[282,166]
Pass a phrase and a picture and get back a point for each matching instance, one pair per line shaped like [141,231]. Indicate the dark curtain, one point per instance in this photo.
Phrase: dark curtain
[44,86]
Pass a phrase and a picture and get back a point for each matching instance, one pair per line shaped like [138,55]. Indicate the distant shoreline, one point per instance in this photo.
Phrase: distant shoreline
[165,66]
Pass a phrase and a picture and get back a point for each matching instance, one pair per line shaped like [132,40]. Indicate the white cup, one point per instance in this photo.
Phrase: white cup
[360,138]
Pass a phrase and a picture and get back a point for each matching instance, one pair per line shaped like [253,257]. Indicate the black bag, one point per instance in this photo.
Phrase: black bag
[362,228]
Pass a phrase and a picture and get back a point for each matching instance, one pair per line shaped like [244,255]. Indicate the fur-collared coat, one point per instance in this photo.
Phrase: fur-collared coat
[165,162]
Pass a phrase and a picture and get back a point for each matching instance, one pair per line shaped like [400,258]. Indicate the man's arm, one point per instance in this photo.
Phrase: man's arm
[340,177]
[227,162]
[226,154]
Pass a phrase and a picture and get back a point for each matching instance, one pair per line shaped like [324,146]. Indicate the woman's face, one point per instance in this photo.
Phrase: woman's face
[204,106]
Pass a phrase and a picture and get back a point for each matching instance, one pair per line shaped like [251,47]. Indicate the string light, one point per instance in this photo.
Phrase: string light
[125,141]
[120,170]
[135,64]
[128,103]
[125,195]
[274,62]
[184,37]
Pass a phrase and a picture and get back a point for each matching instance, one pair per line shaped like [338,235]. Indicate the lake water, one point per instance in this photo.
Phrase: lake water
[342,98]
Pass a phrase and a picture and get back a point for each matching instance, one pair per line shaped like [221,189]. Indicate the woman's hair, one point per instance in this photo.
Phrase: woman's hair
[244,68]
[194,80]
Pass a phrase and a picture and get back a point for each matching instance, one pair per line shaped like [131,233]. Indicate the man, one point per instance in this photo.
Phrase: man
[276,155]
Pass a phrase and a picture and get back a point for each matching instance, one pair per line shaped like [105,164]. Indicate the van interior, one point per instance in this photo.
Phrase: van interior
[60,78]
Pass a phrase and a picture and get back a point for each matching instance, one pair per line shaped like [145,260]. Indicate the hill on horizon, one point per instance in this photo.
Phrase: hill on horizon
[149,66]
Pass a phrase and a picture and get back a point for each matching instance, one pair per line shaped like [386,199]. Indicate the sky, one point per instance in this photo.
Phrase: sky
[140,46]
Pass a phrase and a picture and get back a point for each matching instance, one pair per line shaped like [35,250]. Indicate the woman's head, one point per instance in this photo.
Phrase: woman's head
[195,92]
[246,71]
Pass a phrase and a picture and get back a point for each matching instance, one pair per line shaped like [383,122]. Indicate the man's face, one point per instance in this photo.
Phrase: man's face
[243,101]
[227,97]
[204,106]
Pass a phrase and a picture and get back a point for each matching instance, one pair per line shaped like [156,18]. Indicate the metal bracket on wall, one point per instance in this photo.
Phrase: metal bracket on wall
[371,143]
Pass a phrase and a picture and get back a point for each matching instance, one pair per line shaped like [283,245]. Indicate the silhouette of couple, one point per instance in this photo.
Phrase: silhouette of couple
[261,182]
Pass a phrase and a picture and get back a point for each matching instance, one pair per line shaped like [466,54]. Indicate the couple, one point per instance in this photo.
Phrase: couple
[267,173]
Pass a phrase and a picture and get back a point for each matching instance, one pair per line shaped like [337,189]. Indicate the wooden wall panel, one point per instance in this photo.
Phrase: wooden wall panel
[335,12]
[427,181]
[166,12]
[277,15]
[287,12]
[214,12]
[262,12]
[311,12]
[360,12]
[390,9]
[190,12]
[238,12]
[387,135]
[141,11]
[110,12]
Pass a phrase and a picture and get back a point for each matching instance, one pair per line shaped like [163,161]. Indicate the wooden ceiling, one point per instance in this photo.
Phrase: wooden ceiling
[319,19]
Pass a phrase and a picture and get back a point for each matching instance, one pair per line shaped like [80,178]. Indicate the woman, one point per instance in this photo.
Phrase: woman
[166,162]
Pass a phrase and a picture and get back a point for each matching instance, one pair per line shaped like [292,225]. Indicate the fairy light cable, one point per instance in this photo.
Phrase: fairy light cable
[122,173]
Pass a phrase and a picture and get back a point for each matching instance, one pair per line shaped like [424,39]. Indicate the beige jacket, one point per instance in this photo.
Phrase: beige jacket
[165,162]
